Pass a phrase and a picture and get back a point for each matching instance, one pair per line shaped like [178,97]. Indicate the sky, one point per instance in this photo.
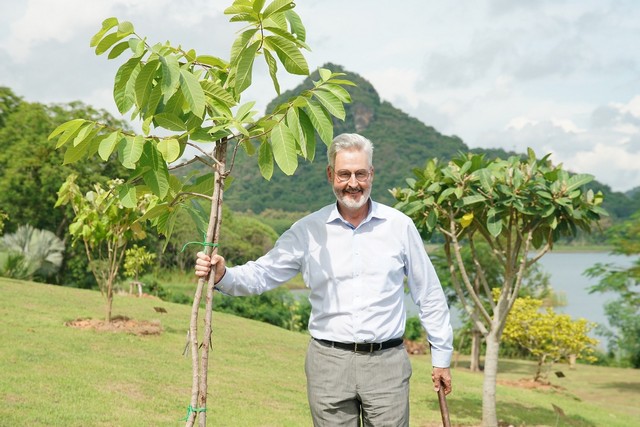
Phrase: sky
[559,76]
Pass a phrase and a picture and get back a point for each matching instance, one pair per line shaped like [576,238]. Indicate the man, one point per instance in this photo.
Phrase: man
[354,256]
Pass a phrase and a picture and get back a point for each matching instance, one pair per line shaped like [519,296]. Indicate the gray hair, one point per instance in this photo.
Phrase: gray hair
[349,141]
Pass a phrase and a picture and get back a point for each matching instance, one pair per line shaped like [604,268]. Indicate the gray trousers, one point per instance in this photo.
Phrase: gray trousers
[346,388]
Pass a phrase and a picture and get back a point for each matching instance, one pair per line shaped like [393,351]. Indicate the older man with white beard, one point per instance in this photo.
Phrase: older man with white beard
[354,256]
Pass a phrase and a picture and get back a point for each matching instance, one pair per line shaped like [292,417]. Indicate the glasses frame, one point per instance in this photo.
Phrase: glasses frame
[354,174]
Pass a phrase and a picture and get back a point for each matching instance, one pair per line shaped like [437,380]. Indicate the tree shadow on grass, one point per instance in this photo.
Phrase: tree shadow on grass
[622,386]
[505,366]
[463,409]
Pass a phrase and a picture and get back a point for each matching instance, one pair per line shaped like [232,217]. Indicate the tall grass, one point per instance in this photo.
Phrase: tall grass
[55,375]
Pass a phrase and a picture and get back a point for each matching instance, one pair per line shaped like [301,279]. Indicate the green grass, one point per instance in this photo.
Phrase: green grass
[54,375]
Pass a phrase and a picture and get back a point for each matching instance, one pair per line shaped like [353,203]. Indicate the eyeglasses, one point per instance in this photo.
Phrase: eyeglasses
[362,175]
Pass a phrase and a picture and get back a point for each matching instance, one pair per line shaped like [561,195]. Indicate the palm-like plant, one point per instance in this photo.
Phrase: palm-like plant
[31,253]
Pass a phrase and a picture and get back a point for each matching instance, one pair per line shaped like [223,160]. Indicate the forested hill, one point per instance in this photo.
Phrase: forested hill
[401,143]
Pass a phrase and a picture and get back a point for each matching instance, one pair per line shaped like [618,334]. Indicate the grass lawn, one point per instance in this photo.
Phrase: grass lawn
[55,375]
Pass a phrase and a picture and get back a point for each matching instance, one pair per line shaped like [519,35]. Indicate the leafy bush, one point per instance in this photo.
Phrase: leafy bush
[278,307]
[413,330]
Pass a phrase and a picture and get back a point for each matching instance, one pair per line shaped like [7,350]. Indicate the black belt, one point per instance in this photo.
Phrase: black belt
[369,347]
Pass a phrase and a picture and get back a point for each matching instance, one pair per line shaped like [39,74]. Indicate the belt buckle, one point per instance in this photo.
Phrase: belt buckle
[364,349]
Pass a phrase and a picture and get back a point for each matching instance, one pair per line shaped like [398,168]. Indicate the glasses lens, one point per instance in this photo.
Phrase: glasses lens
[361,176]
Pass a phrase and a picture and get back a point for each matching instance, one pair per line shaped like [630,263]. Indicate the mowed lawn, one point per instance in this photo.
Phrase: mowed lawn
[56,375]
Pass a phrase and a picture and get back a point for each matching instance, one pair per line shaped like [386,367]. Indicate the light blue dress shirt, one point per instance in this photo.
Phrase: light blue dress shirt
[356,277]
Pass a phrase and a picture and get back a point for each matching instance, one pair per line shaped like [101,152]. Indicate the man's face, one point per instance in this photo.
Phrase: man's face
[352,193]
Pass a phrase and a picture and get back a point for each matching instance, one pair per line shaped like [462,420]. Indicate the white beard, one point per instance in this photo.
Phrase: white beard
[351,203]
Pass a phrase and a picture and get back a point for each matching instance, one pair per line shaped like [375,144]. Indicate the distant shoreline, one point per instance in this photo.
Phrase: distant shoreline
[559,248]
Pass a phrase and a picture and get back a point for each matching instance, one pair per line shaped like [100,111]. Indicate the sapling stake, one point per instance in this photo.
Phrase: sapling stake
[200,362]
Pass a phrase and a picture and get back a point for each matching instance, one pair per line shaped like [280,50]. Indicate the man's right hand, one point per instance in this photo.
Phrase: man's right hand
[204,263]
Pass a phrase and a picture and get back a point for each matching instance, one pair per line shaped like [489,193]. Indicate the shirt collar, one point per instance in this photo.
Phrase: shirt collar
[374,212]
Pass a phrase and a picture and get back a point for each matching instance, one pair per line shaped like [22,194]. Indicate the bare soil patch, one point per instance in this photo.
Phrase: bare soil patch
[119,324]
[415,347]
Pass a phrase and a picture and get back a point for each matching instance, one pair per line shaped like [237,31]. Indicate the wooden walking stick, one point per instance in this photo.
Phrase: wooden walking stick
[444,410]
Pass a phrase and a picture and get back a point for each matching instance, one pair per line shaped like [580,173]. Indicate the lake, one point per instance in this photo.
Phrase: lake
[567,279]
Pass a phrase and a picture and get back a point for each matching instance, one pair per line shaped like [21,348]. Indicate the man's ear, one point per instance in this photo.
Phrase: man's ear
[329,178]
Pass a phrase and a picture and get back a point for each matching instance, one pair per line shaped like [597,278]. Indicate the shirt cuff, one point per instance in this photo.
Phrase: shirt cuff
[225,282]
[440,358]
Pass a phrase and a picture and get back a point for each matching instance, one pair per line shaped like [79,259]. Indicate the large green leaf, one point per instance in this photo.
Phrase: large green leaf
[170,149]
[284,148]
[144,82]
[170,75]
[258,5]
[277,6]
[192,92]
[118,50]
[469,200]
[273,69]
[152,104]
[293,123]
[288,36]
[309,134]
[289,55]
[240,44]
[245,67]
[265,160]
[338,91]
[156,174]
[214,90]
[75,153]
[67,129]
[577,181]
[124,87]
[494,223]
[211,61]
[107,24]
[108,144]
[170,121]
[297,27]
[203,184]
[331,103]
[107,42]
[128,196]
[320,120]
[84,133]
[132,150]
[125,28]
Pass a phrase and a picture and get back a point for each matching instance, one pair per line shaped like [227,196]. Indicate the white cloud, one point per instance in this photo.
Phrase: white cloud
[46,20]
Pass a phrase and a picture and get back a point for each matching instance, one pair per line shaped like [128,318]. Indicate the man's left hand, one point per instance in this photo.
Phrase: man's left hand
[441,376]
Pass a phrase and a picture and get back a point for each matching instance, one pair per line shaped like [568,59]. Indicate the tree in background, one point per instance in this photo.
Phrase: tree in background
[31,173]
[135,260]
[196,98]
[515,206]
[548,336]
[535,283]
[105,226]
[624,313]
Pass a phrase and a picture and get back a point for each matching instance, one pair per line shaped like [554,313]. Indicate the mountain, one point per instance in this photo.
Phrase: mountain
[401,143]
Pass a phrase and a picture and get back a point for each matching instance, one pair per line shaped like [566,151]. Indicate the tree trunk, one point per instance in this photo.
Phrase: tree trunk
[538,374]
[476,344]
[489,414]
[109,301]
